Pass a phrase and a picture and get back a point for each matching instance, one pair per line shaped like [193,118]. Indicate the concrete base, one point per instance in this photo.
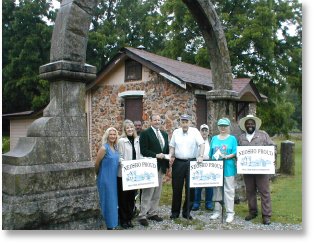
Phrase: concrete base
[74,209]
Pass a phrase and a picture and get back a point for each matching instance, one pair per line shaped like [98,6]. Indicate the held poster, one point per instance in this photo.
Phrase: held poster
[139,174]
[206,174]
[255,160]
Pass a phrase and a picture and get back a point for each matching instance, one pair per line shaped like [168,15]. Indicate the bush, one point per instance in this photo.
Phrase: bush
[5,144]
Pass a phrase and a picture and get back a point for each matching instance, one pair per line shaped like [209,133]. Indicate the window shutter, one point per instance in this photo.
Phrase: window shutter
[133,108]
[201,111]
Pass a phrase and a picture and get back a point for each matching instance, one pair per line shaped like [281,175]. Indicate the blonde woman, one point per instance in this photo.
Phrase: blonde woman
[106,166]
[129,149]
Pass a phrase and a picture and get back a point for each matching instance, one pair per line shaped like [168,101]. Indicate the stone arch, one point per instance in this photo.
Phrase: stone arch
[70,34]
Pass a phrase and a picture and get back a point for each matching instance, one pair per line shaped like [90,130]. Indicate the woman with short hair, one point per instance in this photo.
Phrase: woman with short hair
[224,147]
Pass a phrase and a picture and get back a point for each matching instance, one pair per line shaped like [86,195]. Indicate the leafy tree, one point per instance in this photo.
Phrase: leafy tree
[262,47]
[183,37]
[260,43]
[279,118]
[162,27]
[121,23]
[26,45]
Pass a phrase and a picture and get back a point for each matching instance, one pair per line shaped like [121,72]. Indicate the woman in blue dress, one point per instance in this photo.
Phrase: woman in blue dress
[106,166]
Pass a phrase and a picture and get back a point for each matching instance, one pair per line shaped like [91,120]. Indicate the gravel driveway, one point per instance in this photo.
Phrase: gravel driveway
[201,221]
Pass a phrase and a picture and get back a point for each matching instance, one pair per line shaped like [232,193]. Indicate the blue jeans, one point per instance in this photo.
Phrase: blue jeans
[208,197]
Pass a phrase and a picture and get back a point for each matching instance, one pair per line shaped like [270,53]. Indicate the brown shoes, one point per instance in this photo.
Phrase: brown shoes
[250,217]
[266,220]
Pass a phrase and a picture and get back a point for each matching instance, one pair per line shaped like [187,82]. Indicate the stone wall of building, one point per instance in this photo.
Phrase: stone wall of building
[165,98]
[161,96]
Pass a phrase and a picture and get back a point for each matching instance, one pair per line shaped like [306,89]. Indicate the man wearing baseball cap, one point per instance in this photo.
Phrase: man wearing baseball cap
[254,183]
[186,145]
[204,129]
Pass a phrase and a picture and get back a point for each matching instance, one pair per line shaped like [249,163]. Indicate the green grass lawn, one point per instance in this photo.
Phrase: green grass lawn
[286,193]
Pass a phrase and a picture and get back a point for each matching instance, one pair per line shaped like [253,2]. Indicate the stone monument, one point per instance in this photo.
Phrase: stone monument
[48,178]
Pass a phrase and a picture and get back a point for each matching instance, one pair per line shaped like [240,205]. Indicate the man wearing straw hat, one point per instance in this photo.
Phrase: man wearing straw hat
[252,136]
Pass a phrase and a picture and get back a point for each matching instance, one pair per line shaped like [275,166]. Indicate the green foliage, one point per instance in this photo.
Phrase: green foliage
[260,44]
[5,144]
[262,47]
[202,58]
[278,120]
[129,23]
[183,37]
[26,45]
[41,100]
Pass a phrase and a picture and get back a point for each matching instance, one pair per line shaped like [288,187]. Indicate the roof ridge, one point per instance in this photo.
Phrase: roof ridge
[171,59]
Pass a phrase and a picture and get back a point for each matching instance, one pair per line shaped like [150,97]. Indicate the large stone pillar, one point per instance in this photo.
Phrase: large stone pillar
[222,98]
[223,104]
[48,178]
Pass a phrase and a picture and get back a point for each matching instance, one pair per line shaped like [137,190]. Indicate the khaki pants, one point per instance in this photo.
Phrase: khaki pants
[229,193]
[150,199]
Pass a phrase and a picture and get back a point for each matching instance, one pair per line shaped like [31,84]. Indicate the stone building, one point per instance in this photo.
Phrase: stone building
[136,83]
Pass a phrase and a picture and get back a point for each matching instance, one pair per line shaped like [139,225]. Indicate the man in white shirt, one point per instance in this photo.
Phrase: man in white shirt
[186,145]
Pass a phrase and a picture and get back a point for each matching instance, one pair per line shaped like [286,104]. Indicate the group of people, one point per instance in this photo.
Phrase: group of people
[187,144]
[118,206]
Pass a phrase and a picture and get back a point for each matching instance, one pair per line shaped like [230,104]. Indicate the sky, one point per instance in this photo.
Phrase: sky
[56,4]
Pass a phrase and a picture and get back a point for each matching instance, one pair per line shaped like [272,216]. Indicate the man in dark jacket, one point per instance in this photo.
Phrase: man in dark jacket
[153,143]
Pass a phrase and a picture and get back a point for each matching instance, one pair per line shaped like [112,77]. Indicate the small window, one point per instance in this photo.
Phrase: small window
[133,108]
[133,70]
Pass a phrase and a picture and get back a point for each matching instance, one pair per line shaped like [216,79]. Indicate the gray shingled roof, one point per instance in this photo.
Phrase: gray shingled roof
[239,84]
[186,72]
[176,71]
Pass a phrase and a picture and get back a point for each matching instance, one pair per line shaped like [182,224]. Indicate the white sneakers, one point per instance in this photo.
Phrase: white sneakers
[215,216]
[229,218]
